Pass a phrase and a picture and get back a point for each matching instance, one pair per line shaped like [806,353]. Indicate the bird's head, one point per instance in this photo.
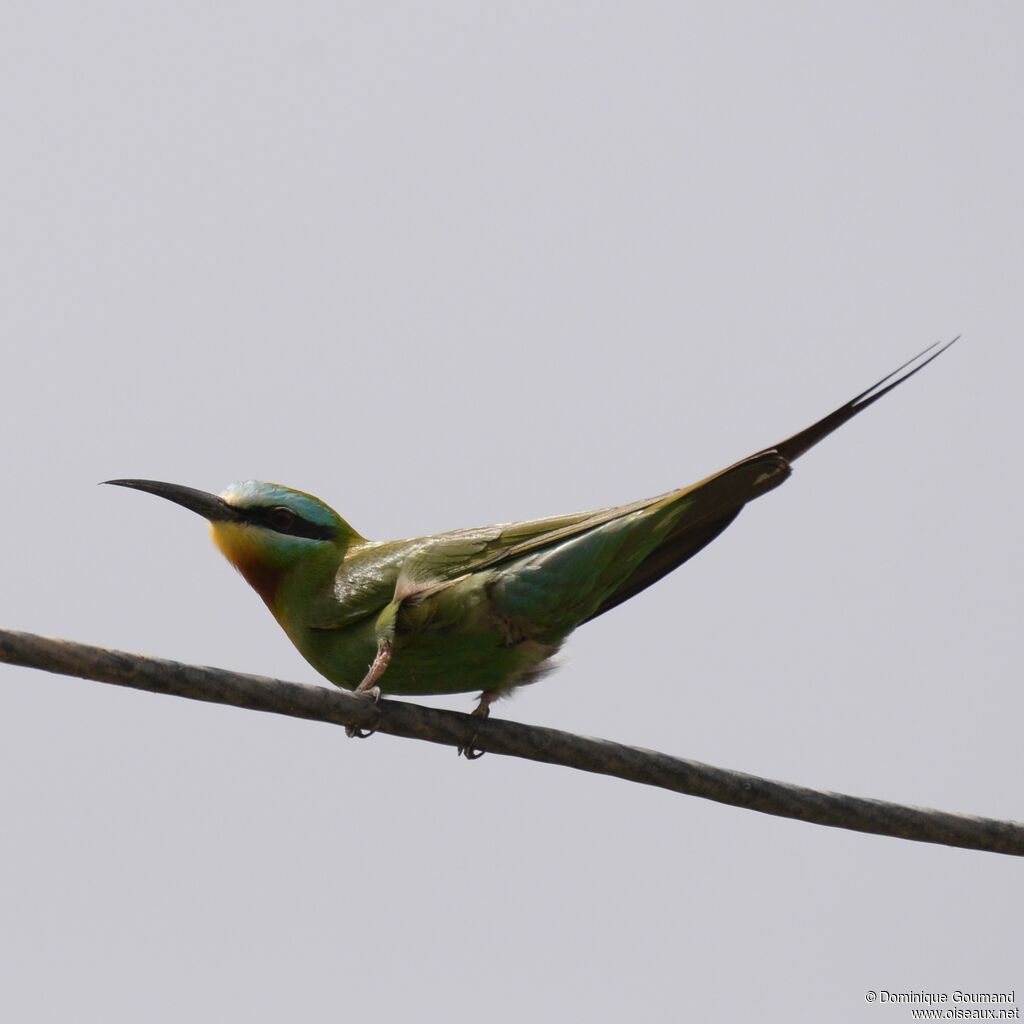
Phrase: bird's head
[264,530]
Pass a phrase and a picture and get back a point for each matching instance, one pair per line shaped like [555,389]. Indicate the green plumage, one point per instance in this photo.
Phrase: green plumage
[483,609]
[479,609]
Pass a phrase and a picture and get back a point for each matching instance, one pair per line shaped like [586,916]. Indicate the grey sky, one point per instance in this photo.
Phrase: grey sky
[450,264]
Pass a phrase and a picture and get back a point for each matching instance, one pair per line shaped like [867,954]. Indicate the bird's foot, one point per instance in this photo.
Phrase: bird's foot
[371,695]
[369,689]
[482,710]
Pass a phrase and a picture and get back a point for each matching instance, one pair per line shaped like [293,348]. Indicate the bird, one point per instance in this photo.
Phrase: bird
[474,609]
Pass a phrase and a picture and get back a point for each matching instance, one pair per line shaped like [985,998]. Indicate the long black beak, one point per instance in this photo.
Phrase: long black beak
[209,506]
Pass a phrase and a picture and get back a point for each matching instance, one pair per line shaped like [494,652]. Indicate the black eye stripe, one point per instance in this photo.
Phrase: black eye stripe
[271,519]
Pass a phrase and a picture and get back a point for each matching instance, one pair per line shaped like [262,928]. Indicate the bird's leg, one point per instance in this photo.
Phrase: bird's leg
[380,663]
[368,688]
[482,710]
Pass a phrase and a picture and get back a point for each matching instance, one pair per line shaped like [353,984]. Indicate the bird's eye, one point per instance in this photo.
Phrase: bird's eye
[282,518]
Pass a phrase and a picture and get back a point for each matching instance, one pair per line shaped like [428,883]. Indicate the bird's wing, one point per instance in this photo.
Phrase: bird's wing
[373,575]
[376,575]
[685,541]
[698,509]
[363,586]
[451,556]
[669,530]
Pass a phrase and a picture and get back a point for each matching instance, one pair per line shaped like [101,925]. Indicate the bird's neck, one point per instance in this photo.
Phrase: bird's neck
[285,586]
[290,595]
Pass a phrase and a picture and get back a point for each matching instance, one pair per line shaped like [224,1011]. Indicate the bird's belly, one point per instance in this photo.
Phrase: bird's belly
[460,665]
[426,663]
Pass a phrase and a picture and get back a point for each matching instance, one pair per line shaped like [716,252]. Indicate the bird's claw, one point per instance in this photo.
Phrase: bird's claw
[371,694]
[354,732]
[482,710]
[469,750]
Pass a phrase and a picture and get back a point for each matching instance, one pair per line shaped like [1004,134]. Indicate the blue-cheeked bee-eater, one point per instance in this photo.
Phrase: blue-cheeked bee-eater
[475,609]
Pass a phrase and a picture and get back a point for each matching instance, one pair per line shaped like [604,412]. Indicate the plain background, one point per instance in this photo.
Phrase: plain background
[448,264]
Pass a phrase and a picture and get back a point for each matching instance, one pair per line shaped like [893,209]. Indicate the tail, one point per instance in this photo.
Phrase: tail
[795,446]
[726,493]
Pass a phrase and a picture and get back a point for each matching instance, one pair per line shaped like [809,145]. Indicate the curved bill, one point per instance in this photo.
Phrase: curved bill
[209,506]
